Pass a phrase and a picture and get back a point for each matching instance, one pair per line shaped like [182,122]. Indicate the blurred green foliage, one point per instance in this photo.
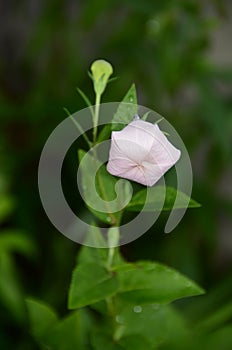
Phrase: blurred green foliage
[163,47]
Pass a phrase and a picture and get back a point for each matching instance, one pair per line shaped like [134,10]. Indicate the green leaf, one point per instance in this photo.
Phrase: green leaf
[217,318]
[105,186]
[16,241]
[98,256]
[144,321]
[67,334]
[156,202]
[85,98]
[89,254]
[7,204]
[149,326]
[151,282]
[104,134]
[124,115]
[135,342]
[90,284]
[41,317]
[111,80]
[126,110]
[219,339]
[101,307]
[51,333]
[145,116]
[178,333]
[10,289]
[78,126]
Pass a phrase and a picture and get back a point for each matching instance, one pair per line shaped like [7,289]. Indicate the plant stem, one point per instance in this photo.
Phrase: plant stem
[109,301]
[96,117]
[110,257]
[103,193]
[100,183]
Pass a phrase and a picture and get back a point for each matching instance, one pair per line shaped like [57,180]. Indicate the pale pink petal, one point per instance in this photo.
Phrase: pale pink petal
[119,166]
[141,152]
[153,173]
[163,152]
[132,172]
[133,141]
[130,150]
[138,132]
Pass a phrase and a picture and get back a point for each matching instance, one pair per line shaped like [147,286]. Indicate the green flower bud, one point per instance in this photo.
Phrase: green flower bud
[101,71]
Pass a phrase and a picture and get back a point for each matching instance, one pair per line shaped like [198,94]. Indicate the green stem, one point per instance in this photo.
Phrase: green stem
[96,117]
[110,257]
[109,301]
[113,219]
[101,185]
[112,313]
[113,241]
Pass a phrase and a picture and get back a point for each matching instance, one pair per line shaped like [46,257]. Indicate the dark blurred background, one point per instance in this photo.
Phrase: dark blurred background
[179,55]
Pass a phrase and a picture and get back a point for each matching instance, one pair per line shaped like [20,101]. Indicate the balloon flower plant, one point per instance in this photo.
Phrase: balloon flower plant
[127,153]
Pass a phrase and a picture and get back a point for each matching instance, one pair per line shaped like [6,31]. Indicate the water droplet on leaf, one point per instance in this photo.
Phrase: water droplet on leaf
[119,319]
[137,309]
[155,306]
